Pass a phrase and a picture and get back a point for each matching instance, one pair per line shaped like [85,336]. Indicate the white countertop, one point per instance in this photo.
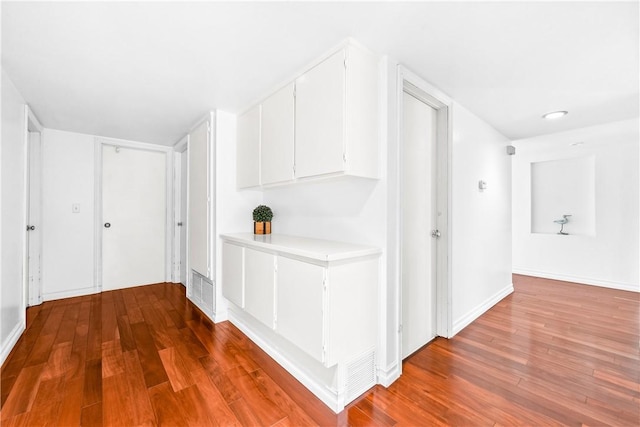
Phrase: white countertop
[317,249]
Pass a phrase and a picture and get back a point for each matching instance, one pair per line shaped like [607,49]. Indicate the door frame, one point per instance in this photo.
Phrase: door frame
[99,142]
[180,148]
[31,124]
[425,92]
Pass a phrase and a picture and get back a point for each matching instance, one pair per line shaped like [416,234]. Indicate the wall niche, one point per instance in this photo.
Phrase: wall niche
[563,187]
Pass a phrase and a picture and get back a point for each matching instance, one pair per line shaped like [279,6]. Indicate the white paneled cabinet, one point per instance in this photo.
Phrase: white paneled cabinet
[300,304]
[318,301]
[259,285]
[277,137]
[320,116]
[248,149]
[323,124]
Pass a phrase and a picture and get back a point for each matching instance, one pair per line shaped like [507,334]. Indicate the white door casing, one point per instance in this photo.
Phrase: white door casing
[134,217]
[418,262]
[32,263]
[408,82]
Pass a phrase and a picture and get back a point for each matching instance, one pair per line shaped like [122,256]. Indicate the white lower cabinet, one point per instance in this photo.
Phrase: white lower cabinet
[259,285]
[318,301]
[300,305]
[233,273]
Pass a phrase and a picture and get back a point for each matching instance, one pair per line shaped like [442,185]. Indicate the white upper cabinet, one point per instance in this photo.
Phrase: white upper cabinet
[323,124]
[277,133]
[248,149]
[320,116]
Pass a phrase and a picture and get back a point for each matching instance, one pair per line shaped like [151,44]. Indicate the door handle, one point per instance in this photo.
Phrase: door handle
[31,227]
[107,225]
[435,234]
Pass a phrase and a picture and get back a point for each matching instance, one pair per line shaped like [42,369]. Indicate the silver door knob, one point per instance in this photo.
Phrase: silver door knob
[31,227]
[435,234]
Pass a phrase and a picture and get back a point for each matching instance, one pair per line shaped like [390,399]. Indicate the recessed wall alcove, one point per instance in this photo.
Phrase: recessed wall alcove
[563,187]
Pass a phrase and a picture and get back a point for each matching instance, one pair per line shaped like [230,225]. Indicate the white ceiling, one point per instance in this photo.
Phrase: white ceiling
[147,71]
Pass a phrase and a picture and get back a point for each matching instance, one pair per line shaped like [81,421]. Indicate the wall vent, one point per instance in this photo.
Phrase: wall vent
[360,375]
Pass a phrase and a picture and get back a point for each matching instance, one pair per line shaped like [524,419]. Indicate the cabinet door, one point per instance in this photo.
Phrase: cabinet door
[248,149]
[300,304]
[276,158]
[320,115]
[259,284]
[233,273]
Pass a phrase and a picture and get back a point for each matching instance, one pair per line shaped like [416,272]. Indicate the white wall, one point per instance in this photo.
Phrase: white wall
[610,256]
[480,220]
[12,216]
[67,238]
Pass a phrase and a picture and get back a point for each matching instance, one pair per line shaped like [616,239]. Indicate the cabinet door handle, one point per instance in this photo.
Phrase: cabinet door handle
[107,225]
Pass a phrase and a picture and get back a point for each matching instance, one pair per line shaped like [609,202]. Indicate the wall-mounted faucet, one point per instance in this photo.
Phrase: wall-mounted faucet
[562,222]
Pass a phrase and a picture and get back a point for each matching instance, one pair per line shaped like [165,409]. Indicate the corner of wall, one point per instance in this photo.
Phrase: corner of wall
[11,341]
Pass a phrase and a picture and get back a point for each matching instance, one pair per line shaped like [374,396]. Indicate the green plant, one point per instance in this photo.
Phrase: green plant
[262,214]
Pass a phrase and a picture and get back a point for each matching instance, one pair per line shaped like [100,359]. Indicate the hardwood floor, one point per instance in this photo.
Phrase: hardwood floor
[552,353]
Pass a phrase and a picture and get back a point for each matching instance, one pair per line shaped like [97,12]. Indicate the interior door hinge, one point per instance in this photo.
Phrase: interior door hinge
[344,157]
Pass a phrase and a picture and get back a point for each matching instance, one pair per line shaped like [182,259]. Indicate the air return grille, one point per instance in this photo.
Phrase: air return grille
[361,375]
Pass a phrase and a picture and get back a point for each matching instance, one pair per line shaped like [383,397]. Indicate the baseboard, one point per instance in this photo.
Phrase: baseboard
[462,323]
[49,296]
[387,376]
[321,391]
[577,279]
[11,341]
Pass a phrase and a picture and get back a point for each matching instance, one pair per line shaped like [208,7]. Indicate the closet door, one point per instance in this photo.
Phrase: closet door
[320,116]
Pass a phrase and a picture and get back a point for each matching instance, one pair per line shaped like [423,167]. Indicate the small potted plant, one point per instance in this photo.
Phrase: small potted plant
[262,216]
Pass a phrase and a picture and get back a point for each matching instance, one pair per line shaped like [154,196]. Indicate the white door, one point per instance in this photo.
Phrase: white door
[34,232]
[418,248]
[133,216]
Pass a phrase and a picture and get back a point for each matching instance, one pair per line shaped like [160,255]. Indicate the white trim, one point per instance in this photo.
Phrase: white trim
[50,296]
[30,121]
[465,320]
[11,341]
[169,216]
[387,376]
[329,397]
[34,121]
[416,86]
[181,145]
[99,142]
[97,215]
[623,286]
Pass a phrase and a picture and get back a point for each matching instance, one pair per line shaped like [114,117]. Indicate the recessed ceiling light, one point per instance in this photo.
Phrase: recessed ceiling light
[555,115]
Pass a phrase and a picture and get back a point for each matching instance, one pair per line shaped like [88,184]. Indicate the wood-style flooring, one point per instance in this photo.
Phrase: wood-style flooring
[552,353]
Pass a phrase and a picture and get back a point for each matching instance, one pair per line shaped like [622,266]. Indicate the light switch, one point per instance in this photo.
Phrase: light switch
[75,208]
